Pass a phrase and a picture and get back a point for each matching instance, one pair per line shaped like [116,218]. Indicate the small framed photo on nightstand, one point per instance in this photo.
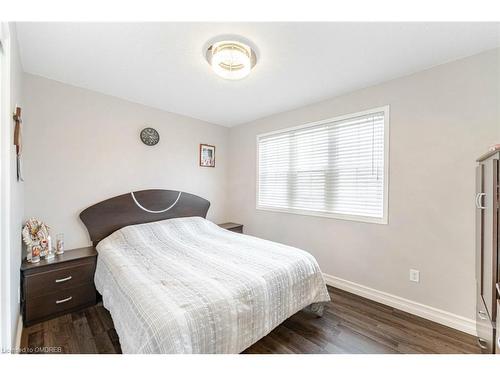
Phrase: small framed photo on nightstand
[207,155]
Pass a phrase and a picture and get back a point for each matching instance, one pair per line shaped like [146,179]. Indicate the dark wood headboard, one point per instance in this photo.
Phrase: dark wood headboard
[138,207]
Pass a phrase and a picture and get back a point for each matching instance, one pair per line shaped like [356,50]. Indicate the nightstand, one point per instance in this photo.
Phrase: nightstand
[233,227]
[58,286]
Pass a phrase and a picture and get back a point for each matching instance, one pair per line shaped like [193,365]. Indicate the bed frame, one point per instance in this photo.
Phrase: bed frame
[138,207]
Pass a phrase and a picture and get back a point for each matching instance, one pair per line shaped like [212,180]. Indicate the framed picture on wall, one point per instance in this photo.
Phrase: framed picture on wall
[207,155]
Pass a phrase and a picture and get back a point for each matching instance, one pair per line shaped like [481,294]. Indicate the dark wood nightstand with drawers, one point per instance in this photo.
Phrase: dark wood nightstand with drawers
[233,227]
[58,286]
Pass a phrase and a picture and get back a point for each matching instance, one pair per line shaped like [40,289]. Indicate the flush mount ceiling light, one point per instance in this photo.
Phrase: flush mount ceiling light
[231,59]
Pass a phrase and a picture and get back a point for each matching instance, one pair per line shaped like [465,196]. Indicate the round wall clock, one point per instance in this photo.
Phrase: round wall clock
[150,136]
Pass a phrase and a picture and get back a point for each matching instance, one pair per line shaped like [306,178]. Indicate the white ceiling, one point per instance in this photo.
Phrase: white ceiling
[162,64]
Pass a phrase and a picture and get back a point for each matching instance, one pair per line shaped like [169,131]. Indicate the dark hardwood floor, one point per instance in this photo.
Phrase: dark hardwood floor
[350,324]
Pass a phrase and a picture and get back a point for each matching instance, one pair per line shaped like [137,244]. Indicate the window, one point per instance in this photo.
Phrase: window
[336,168]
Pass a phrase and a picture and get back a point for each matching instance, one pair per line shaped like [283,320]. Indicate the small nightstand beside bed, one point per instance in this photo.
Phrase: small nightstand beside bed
[58,286]
[233,227]
[177,283]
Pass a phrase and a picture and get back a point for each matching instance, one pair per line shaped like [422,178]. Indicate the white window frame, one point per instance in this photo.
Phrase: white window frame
[366,219]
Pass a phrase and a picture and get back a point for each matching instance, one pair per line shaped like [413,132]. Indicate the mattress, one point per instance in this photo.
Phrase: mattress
[187,286]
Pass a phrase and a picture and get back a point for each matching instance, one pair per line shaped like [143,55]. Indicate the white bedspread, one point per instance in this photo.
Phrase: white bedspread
[187,286]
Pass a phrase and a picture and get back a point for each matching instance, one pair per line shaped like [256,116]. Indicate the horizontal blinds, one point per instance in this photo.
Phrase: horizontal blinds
[335,167]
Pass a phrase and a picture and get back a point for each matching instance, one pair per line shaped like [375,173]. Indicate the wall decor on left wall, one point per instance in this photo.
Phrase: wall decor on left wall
[18,143]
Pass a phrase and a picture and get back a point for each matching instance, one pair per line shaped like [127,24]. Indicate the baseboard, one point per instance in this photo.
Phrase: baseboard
[436,315]
[19,332]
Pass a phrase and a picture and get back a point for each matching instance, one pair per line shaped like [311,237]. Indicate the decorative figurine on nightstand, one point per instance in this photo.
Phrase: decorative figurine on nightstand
[47,249]
[35,233]
[60,244]
[36,249]
[44,248]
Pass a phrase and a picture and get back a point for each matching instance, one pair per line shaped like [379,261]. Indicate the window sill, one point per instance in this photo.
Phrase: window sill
[362,219]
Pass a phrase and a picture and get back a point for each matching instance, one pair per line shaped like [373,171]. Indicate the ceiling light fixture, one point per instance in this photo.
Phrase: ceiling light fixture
[230,59]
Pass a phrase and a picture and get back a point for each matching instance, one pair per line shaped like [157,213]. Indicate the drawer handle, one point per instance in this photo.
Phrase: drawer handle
[482,315]
[482,343]
[63,280]
[64,300]
[478,200]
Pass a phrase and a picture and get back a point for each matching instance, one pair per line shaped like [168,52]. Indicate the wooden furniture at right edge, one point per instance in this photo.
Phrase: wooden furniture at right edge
[487,252]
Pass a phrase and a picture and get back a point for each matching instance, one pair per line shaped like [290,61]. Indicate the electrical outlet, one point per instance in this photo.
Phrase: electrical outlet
[414,275]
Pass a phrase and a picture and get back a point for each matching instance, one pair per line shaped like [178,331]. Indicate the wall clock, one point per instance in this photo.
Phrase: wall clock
[150,136]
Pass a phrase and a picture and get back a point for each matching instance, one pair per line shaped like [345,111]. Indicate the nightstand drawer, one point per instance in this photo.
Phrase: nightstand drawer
[59,279]
[58,302]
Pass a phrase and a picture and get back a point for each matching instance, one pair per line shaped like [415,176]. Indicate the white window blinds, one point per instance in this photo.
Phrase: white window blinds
[332,168]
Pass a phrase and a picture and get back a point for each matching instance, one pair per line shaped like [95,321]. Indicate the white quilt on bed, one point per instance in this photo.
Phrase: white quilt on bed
[187,286]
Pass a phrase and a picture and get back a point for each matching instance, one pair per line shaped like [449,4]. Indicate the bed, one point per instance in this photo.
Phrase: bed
[175,282]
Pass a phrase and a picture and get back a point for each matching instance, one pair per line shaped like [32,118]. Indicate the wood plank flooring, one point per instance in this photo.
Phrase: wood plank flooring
[350,324]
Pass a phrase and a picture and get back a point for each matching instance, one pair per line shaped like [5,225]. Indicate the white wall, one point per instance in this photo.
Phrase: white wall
[441,120]
[82,147]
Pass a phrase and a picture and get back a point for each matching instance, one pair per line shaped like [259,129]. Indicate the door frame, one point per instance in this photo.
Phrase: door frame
[5,175]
